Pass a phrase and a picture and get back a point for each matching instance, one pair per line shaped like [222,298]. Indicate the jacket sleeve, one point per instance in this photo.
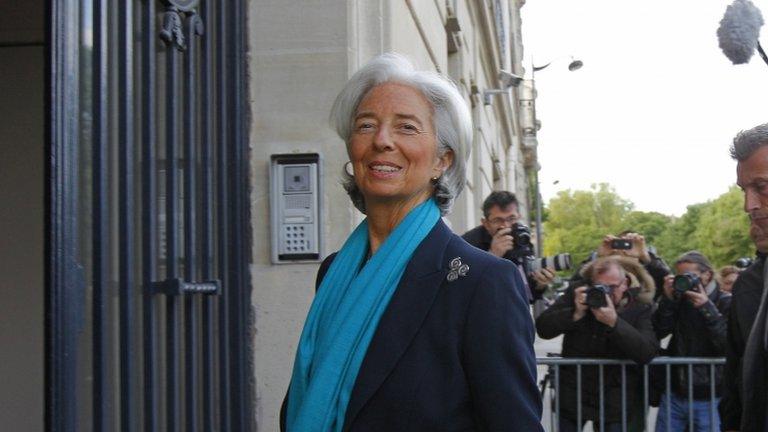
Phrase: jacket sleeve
[637,342]
[658,270]
[558,318]
[717,324]
[498,355]
[663,318]
[730,404]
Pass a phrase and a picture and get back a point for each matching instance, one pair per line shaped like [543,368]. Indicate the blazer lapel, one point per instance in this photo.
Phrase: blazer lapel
[404,316]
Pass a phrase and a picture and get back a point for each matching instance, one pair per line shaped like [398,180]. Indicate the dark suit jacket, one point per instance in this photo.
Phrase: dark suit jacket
[449,356]
[737,412]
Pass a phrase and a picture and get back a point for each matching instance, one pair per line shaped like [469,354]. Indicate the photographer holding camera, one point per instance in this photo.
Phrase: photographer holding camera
[693,310]
[608,317]
[497,235]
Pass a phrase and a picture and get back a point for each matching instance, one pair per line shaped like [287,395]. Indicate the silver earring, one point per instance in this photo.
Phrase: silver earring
[349,172]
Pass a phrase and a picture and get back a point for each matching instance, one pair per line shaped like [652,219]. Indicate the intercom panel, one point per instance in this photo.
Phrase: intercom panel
[295,207]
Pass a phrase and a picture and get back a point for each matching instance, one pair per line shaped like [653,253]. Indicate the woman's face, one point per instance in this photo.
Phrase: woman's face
[728,281]
[393,146]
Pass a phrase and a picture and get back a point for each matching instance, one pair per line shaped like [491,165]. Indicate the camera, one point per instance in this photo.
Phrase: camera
[557,262]
[685,282]
[521,234]
[596,296]
[621,244]
[743,262]
[523,252]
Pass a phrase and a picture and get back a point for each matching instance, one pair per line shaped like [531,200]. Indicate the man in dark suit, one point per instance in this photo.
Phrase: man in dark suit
[500,213]
[744,402]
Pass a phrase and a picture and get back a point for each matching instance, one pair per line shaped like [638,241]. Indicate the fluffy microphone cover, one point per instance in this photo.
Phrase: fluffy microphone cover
[739,30]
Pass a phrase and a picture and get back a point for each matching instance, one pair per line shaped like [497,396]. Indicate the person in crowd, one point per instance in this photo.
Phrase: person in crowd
[726,277]
[500,214]
[411,328]
[745,389]
[693,310]
[609,316]
[630,244]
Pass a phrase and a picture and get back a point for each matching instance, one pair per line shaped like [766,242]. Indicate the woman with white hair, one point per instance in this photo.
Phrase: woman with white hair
[411,329]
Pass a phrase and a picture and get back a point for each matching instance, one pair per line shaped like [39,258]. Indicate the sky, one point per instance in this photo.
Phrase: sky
[656,105]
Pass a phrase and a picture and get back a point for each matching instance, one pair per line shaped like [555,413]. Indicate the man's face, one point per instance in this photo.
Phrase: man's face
[705,276]
[752,178]
[499,218]
[614,280]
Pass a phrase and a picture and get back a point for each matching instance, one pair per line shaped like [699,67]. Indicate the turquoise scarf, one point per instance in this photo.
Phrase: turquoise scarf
[343,318]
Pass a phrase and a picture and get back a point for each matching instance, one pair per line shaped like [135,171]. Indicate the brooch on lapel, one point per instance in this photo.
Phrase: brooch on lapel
[457,269]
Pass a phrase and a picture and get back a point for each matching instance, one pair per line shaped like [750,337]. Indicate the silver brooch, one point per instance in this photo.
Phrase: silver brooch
[457,269]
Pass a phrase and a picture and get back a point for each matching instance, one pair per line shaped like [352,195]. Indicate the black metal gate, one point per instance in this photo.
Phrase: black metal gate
[147,290]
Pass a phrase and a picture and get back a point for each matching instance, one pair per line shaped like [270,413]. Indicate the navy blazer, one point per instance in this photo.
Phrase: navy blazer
[449,355]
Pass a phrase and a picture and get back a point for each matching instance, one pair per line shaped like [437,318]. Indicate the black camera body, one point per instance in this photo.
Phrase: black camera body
[596,296]
[621,244]
[521,234]
[685,282]
[743,262]
[522,253]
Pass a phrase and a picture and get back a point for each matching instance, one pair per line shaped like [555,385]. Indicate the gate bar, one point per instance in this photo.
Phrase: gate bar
[206,241]
[149,212]
[191,348]
[222,67]
[100,231]
[173,410]
[126,211]
[238,180]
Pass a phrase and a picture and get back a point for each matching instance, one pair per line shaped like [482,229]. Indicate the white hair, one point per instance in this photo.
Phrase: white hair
[452,119]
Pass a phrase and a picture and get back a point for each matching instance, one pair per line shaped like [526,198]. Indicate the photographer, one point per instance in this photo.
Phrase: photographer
[630,244]
[495,235]
[608,317]
[693,310]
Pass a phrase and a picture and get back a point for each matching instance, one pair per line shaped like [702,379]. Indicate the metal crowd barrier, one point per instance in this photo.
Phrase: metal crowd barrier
[553,374]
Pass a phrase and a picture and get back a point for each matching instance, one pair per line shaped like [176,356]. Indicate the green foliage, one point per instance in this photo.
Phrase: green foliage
[651,225]
[578,220]
[680,235]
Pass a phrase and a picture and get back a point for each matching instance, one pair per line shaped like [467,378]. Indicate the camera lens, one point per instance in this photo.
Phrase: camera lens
[562,261]
[685,282]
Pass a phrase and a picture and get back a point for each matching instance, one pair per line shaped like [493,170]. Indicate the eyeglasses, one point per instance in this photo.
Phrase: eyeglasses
[499,220]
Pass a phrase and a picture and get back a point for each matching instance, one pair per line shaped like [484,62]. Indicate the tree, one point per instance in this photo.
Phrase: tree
[680,236]
[723,231]
[651,225]
[578,220]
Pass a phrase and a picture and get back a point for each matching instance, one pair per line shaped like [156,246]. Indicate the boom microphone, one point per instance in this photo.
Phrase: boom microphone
[739,31]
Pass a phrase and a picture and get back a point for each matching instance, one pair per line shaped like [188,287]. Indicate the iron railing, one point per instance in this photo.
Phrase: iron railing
[147,311]
[550,387]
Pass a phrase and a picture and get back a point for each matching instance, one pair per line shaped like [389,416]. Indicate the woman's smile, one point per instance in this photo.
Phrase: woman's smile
[384,170]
